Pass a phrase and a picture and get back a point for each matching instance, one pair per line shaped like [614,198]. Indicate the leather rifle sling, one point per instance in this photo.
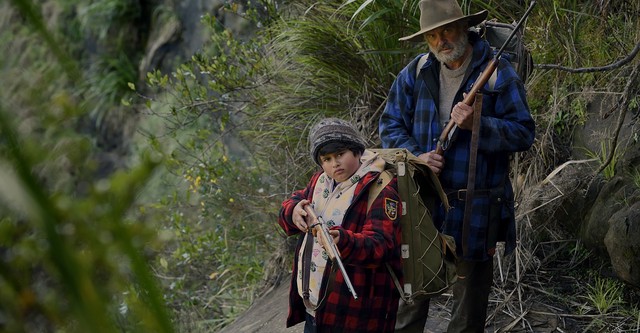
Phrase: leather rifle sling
[306,271]
[306,268]
[471,177]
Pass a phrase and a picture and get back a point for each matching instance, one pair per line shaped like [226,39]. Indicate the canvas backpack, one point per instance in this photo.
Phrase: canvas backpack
[496,33]
[428,256]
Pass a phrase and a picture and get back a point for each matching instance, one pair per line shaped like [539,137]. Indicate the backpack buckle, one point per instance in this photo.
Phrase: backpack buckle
[461,194]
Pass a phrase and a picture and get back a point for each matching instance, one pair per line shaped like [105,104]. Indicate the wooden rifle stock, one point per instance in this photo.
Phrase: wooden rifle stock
[327,242]
[468,100]
[443,140]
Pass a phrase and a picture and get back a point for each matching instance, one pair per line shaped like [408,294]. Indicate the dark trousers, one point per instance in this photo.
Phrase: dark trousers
[412,318]
[470,302]
[310,324]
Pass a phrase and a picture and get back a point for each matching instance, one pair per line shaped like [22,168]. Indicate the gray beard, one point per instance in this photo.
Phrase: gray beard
[459,48]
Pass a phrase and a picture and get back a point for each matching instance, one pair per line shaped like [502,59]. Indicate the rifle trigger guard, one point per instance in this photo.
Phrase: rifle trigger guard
[445,144]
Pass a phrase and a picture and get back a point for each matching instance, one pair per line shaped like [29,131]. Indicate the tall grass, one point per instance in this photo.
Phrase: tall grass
[329,59]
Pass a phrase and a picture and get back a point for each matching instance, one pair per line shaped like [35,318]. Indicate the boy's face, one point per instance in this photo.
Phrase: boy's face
[340,165]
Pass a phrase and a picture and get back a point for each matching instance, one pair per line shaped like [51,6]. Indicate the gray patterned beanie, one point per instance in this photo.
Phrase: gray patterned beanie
[330,130]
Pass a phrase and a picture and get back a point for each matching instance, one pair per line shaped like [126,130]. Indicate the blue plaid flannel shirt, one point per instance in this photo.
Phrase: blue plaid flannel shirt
[506,127]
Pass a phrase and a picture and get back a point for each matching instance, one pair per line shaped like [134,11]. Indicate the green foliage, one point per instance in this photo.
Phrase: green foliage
[605,294]
[603,154]
[221,213]
[70,252]
[218,246]
[592,36]
[72,258]
[635,177]
[567,117]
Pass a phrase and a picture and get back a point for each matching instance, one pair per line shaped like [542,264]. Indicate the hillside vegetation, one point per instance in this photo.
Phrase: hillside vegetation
[139,199]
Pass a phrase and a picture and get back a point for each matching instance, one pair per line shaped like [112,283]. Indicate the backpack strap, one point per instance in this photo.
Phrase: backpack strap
[383,180]
[421,63]
[493,79]
[375,190]
[396,281]
[306,272]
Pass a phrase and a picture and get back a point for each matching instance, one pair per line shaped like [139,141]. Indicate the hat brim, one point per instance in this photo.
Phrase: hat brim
[474,20]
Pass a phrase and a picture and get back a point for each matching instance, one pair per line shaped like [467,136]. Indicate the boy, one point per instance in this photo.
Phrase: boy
[368,239]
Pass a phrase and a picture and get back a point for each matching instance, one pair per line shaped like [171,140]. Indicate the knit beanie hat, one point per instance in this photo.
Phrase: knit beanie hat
[330,130]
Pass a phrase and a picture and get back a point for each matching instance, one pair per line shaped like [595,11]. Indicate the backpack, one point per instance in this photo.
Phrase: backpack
[428,256]
[496,33]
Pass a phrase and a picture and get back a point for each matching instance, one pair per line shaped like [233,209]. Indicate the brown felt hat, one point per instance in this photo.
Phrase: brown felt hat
[436,13]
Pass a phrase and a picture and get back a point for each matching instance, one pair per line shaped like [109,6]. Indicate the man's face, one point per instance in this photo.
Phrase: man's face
[448,43]
[340,166]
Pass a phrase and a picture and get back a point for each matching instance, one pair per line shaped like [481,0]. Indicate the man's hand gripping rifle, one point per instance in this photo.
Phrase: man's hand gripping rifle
[320,227]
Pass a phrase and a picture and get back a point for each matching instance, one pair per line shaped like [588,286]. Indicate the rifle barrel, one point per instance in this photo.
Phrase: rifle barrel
[515,29]
[330,246]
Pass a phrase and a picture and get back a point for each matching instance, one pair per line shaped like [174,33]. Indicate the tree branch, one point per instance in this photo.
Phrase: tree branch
[614,65]
[624,105]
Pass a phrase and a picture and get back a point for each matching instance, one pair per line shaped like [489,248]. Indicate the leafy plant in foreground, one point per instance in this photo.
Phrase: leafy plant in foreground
[72,258]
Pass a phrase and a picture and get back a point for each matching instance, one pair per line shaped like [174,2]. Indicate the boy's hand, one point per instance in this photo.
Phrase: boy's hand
[335,235]
[299,216]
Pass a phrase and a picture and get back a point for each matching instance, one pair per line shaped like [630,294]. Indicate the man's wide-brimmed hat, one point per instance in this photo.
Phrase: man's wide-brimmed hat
[436,13]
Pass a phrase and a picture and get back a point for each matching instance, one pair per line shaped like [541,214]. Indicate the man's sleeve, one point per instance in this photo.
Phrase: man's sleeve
[512,129]
[394,127]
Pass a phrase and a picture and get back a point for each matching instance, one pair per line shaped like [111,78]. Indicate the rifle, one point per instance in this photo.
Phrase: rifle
[443,140]
[329,245]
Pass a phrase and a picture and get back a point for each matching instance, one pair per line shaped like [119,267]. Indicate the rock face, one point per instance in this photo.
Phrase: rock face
[596,224]
[622,243]
[612,225]
[603,213]
[175,38]
[561,199]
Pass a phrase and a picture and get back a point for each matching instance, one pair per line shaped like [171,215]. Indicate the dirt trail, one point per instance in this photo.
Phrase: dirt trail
[268,315]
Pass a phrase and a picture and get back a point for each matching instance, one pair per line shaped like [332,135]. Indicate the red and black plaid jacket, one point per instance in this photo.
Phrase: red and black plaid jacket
[368,240]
